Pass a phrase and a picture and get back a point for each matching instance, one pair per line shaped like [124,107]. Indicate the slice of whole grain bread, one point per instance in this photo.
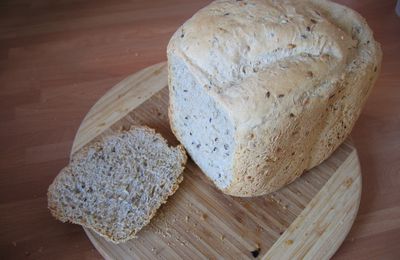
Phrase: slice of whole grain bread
[115,185]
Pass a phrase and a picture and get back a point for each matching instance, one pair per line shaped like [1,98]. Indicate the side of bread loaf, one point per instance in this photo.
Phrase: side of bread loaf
[115,185]
[263,90]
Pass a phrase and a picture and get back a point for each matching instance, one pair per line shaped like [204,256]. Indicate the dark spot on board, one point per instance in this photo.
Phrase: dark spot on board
[303,36]
[291,115]
[268,94]
[313,21]
[308,28]
[256,252]
[375,68]
[185,90]
[281,95]
[225,14]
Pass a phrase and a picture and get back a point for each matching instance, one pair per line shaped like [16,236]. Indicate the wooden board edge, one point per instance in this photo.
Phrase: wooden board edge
[322,226]
[95,123]
[97,244]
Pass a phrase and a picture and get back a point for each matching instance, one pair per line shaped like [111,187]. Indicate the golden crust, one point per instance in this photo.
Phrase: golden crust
[315,92]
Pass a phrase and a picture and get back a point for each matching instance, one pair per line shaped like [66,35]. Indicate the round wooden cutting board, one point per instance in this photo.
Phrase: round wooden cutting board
[307,219]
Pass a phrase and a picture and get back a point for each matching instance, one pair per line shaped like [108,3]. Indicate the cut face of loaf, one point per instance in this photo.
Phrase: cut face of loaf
[114,186]
[261,91]
[204,128]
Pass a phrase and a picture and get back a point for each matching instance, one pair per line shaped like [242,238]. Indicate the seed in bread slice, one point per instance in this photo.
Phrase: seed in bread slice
[115,185]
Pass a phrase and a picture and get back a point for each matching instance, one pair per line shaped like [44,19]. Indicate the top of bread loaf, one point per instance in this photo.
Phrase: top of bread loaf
[235,47]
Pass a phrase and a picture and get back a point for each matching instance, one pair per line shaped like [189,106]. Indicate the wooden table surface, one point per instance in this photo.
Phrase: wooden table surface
[58,57]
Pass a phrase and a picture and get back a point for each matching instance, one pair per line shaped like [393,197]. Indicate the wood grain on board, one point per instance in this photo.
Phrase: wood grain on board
[309,218]
[57,58]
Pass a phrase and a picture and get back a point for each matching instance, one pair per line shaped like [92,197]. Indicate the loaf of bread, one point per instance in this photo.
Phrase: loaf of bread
[263,90]
[115,185]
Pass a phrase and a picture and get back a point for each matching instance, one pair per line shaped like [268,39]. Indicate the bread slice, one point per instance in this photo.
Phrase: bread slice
[115,185]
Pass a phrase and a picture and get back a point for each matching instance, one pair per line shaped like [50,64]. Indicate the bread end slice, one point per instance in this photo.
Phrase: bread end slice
[115,185]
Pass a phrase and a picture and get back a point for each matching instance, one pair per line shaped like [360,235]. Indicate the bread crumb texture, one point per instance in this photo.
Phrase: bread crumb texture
[115,185]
